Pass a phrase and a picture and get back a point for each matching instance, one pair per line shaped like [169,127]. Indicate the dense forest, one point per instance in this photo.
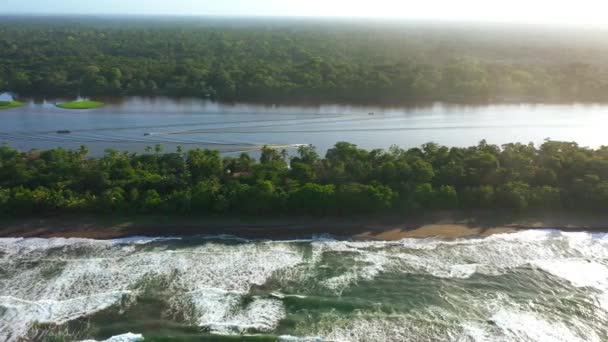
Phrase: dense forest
[349,180]
[299,60]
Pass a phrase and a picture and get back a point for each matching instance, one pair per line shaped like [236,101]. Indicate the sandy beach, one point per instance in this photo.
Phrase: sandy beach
[287,228]
[433,230]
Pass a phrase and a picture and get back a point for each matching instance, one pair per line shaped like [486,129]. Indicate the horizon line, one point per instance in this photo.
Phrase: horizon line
[391,19]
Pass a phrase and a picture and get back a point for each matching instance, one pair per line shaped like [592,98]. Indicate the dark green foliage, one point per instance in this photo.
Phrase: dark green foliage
[313,199]
[10,104]
[271,60]
[348,181]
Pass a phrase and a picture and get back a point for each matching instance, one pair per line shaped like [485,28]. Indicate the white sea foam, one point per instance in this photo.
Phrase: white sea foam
[79,277]
[19,313]
[579,272]
[496,317]
[128,337]
[524,326]
[367,266]
[288,338]
[442,258]
[478,333]
[579,258]
[493,255]
[261,315]
[57,280]
[434,324]
[282,296]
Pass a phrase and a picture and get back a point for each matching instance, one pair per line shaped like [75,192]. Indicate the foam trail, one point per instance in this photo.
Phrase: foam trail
[128,337]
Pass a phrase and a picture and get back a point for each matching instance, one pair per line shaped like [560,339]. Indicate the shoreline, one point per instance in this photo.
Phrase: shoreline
[284,229]
[315,103]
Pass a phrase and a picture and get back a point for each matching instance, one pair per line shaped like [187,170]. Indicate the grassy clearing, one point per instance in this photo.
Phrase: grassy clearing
[80,105]
[10,104]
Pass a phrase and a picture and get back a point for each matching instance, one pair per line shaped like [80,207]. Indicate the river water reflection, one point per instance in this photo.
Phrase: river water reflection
[134,123]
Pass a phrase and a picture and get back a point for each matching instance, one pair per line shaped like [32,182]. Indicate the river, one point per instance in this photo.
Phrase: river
[539,285]
[131,124]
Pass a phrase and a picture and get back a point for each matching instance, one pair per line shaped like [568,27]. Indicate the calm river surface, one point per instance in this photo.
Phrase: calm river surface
[136,123]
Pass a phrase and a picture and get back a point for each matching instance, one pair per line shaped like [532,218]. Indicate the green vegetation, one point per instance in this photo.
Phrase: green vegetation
[300,60]
[80,105]
[517,178]
[10,104]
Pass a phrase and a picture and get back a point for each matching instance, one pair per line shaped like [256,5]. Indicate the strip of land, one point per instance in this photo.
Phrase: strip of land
[10,104]
[80,105]
[287,228]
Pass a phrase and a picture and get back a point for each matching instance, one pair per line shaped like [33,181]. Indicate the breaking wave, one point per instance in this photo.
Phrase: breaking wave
[537,285]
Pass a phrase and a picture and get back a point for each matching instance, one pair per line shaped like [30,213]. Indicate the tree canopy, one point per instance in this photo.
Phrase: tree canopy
[514,177]
[272,60]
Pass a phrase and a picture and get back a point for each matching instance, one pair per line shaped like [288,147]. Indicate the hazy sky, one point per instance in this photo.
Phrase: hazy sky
[568,12]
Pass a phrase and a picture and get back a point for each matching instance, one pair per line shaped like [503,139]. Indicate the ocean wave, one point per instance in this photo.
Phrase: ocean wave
[128,337]
[261,315]
[209,282]
[462,258]
[525,326]
[63,276]
[579,272]
[20,314]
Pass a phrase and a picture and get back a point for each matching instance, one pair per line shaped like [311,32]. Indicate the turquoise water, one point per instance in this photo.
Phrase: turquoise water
[525,286]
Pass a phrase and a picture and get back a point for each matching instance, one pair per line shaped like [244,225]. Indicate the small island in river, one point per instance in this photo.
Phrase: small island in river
[80,105]
[10,104]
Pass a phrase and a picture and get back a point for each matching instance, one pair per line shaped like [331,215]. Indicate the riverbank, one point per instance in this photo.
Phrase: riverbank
[391,229]
[10,104]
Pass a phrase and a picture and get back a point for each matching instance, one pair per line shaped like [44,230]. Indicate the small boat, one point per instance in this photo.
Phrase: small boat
[370,113]
[147,134]
[63,131]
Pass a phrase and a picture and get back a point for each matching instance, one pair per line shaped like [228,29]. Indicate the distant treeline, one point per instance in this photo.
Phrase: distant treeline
[299,61]
[348,181]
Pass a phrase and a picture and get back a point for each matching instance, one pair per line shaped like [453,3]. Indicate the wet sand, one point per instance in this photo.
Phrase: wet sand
[285,228]
[433,230]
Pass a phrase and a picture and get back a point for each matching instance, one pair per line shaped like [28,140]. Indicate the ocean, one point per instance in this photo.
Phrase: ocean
[536,285]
